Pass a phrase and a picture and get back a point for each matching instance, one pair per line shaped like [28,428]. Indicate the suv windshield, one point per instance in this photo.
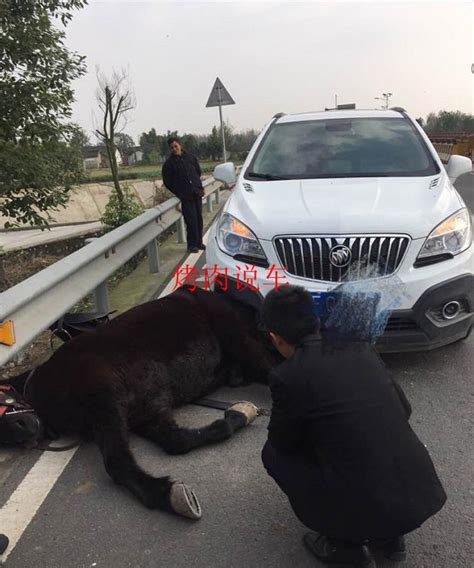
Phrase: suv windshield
[359,147]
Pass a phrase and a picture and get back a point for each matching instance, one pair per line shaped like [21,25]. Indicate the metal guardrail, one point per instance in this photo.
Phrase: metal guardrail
[448,144]
[34,304]
[445,150]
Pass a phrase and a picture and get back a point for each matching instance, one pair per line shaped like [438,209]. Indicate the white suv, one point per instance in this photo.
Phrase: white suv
[335,196]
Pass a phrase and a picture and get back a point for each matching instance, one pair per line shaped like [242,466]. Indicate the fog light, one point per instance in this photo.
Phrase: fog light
[451,310]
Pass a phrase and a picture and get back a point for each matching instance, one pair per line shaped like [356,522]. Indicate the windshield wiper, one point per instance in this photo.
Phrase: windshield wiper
[268,177]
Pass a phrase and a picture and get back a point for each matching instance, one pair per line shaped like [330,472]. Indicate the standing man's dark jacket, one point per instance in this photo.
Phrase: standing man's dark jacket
[181,175]
[341,447]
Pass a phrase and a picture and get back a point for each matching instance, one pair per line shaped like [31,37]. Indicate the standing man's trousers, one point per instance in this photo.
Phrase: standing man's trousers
[192,213]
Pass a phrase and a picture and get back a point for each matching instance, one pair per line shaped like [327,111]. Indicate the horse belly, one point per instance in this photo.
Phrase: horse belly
[193,373]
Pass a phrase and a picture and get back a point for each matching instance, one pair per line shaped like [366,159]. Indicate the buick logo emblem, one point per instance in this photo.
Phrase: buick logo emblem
[340,256]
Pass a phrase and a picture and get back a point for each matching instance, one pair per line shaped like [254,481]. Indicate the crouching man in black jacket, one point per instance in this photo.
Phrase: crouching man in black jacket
[182,176]
[339,442]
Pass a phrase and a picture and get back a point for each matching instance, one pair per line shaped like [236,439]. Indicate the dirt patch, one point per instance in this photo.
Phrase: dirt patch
[35,354]
[17,266]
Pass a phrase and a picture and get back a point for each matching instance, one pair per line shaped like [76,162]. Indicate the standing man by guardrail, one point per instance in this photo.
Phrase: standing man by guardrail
[182,176]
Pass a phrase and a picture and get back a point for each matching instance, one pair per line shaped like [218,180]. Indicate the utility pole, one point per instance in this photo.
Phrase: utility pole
[386,98]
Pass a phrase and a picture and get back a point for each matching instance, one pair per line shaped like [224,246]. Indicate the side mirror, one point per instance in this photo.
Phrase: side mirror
[458,165]
[225,173]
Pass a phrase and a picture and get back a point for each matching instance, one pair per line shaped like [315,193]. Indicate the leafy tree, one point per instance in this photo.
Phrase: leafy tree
[203,146]
[450,121]
[154,146]
[190,143]
[79,138]
[148,143]
[37,165]
[215,144]
[241,142]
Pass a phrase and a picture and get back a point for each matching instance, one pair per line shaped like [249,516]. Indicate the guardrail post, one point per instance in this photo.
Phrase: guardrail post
[218,195]
[181,230]
[101,298]
[209,203]
[153,256]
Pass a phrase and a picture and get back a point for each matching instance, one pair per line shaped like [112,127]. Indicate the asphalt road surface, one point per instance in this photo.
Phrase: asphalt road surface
[465,186]
[87,521]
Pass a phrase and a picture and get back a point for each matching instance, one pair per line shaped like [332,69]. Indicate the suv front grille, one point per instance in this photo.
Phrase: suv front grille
[371,256]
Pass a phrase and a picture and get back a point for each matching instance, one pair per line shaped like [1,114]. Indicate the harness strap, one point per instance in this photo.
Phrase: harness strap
[28,378]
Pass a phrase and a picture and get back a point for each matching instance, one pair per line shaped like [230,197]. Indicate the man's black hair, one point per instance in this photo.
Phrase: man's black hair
[290,312]
[172,139]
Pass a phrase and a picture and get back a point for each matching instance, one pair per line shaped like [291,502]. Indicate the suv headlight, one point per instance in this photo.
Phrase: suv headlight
[452,236]
[237,239]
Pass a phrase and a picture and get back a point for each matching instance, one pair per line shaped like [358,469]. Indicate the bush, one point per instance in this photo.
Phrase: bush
[116,212]
[108,177]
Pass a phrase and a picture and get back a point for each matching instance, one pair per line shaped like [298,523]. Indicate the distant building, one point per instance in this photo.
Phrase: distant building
[132,156]
[95,157]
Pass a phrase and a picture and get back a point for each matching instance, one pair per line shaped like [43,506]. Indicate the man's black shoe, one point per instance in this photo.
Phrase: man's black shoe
[3,543]
[193,249]
[202,246]
[347,556]
[395,549]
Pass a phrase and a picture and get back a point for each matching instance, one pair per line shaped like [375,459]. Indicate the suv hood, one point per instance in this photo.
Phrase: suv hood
[344,206]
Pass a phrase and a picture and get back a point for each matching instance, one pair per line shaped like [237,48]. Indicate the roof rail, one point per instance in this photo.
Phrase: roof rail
[279,114]
[401,110]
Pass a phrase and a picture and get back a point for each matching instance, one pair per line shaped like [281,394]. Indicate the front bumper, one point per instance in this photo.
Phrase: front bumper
[418,329]
[416,324]
[423,328]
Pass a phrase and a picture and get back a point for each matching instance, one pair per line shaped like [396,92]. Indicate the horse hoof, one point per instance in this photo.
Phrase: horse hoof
[248,409]
[184,501]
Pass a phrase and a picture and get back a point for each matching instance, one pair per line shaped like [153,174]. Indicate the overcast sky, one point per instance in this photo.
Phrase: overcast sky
[274,56]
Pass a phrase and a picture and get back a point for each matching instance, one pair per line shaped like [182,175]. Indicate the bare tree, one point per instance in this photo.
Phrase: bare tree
[115,99]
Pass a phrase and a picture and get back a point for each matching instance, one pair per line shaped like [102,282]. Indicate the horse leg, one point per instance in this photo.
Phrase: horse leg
[252,359]
[229,373]
[161,428]
[111,434]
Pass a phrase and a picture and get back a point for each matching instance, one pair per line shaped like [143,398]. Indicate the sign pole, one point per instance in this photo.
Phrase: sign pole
[220,96]
[222,124]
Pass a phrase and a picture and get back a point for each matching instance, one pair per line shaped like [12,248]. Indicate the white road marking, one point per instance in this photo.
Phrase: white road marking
[23,504]
[21,507]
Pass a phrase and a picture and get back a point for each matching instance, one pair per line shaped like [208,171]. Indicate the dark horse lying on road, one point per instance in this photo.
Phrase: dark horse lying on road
[130,373]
